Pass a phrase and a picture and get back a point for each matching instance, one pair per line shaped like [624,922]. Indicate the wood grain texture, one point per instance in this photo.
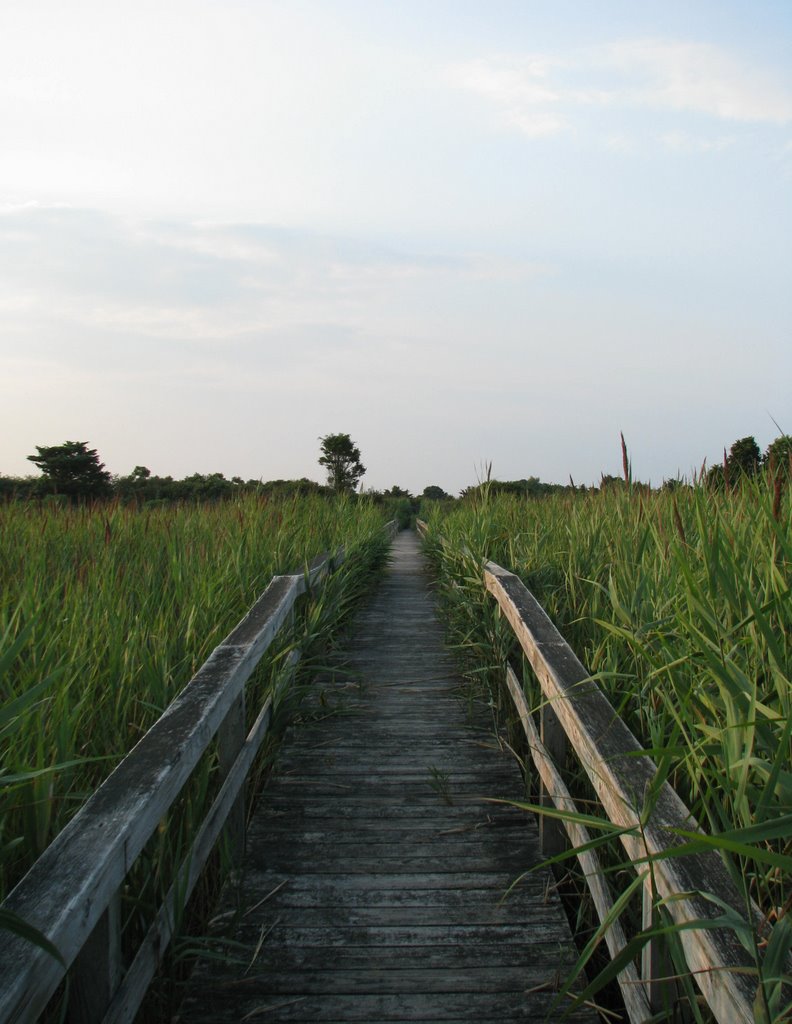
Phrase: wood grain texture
[635,999]
[377,880]
[128,995]
[623,777]
[65,893]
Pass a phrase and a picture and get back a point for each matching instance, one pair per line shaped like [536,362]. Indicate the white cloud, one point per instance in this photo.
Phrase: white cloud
[518,88]
[518,82]
[698,77]
[542,95]
[619,142]
[682,142]
[78,277]
[10,209]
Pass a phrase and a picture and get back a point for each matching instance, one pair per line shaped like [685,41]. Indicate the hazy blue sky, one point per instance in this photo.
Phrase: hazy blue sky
[459,231]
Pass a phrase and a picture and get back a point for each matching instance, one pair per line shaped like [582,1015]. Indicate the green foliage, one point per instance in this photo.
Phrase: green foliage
[398,504]
[744,459]
[341,458]
[19,488]
[291,488]
[142,487]
[779,455]
[532,487]
[679,602]
[607,480]
[402,510]
[434,493]
[105,613]
[72,469]
[396,492]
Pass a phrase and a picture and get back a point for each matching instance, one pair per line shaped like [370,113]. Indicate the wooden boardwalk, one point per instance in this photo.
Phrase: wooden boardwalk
[375,883]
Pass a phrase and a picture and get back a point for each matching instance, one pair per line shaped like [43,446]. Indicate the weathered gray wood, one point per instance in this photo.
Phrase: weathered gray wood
[377,877]
[657,972]
[230,740]
[129,994]
[416,1007]
[66,891]
[623,777]
[555,745]
[635,1000]
[71,892]
[97,970]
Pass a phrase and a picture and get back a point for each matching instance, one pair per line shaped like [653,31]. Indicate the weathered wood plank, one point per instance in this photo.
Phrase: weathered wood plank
[394,979]
[623,776]
[399,885]
[65,892]
[635,999]
[398,940]
[345,1008]
[88,860]
[347,956]
[378,871]
[126,998]
[97,969]
[230,738]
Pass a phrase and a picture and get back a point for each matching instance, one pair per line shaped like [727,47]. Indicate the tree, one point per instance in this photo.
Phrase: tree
[434,493]
[779,454]
[341,458]
[290,488]
[72,469]
[744,458]
[205,487]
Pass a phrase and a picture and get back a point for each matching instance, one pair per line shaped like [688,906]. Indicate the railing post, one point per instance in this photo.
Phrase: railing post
[96,972]
[655,966]
[552,835]
[230,740]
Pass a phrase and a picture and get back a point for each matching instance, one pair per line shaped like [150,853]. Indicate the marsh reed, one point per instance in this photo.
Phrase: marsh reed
[678,602]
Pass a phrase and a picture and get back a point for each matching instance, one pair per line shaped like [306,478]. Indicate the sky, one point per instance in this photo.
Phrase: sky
[465,233]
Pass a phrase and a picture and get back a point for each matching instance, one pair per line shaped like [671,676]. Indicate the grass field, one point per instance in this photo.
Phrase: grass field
[679,604]
[105,614]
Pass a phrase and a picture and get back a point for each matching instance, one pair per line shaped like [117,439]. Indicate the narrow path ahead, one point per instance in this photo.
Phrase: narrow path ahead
[376,880]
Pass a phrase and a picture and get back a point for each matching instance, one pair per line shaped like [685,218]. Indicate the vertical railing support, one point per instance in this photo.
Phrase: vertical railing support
[552,834]
[230,739]
[655,967]
[96,972]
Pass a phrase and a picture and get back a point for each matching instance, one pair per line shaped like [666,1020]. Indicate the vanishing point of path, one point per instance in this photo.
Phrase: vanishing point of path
[376,877]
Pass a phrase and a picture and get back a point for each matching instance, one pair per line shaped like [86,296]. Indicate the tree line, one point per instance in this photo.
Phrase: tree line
[72,472]
[745,460]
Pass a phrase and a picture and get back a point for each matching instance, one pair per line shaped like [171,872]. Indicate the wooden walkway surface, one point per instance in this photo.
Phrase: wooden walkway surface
[376,877]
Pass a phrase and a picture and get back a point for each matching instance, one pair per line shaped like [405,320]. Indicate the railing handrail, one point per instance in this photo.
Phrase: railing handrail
[623,776]
[74,882]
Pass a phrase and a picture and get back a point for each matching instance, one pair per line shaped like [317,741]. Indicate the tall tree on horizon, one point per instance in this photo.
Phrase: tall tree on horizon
[72,469]
[341,458]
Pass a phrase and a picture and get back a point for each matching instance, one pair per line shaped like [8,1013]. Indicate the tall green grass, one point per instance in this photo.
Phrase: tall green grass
[679,604]
[106,612]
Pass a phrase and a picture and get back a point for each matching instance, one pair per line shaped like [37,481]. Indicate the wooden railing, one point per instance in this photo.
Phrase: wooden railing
[576,715]
[71,895]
